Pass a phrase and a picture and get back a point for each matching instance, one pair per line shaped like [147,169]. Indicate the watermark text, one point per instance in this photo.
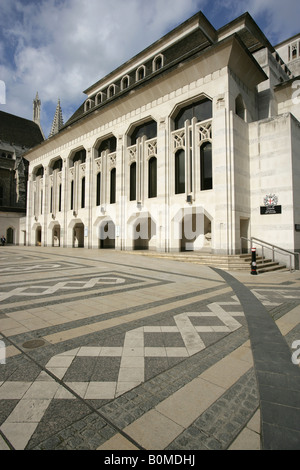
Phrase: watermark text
[296,354]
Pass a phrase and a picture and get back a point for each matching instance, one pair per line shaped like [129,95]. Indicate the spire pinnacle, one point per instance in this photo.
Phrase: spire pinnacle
[58,122]
[37,112]
[37,109]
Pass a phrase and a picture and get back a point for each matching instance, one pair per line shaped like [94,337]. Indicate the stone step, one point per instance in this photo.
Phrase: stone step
[227,262]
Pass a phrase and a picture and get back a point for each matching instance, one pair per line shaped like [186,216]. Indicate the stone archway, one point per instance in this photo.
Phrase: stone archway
[107,235]
[193,229]
[78,235]
[143,229]
[56,235]
[10,236]
[38,236]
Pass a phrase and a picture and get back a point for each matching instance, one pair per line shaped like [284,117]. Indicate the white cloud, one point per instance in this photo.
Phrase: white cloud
[61,47]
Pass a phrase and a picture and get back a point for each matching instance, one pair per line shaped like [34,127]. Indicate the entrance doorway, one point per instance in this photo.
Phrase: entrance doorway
[10,235]
[144,229]
[191,228]
[78,236]
[107,236]
[56,235]
[38,236]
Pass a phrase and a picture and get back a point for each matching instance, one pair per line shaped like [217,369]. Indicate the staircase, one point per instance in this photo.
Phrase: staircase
[226,262]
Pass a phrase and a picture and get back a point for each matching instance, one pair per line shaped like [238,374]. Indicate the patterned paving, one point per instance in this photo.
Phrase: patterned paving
[101,342]
[38,290]
[37,395]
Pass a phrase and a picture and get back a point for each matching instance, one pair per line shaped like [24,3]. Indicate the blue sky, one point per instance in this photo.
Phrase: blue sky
[61,47]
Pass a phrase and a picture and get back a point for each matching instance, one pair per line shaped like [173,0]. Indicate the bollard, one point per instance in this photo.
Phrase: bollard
[253,262]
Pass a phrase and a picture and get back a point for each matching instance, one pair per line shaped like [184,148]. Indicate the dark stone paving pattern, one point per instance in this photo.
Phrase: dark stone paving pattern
[219,425]
[278,378]
[112,417]
[273,384]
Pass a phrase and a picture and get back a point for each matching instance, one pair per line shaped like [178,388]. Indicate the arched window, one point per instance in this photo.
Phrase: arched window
[57,165]
[111,91]
[180,172]
[201,110]
[98,195]
[133,182]
[206,166]
[113,186]
[88,105]
[72,196]
[79,156]
[125,82]
[109,144]
[148,129]
[83,193]
[140,73]
[158,63]
[152,178]
[40,172]
[100,97]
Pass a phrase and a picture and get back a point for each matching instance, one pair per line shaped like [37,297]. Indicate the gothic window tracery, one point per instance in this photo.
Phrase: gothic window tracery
[192,140]
[201,110]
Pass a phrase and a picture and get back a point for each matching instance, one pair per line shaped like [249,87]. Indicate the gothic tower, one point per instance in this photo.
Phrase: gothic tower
[37,112]
[57,123]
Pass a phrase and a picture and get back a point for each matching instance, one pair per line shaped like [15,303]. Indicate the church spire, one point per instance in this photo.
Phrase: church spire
[37,109]
[37,112]
[58,122]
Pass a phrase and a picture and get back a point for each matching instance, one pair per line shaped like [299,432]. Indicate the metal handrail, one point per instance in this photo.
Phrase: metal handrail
[274,248]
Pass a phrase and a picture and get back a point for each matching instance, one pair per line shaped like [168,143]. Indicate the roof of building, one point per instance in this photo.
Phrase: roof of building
[190,38]
[19,131]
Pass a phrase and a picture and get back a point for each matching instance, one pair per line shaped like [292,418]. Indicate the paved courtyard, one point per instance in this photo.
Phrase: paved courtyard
[106,350]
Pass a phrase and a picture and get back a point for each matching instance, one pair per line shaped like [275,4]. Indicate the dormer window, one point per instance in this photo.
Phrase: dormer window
[89,104]
[158,63]
[125,82]
[111,91]
[100,97]
[140,73]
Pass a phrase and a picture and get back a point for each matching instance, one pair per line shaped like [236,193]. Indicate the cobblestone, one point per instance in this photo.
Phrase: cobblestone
[78,422]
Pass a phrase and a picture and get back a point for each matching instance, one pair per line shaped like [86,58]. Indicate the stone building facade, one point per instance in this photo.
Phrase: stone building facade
[193,144]
[17,135]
